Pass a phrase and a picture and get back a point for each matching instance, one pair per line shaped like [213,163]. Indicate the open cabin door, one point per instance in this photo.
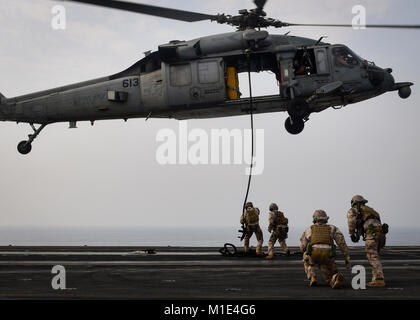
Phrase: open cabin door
[311,69]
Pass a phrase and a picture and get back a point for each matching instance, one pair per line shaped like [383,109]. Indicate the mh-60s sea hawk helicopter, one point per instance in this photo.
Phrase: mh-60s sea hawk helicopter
[199,78]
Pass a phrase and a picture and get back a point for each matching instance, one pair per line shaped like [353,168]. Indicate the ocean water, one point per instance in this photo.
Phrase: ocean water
[157,236]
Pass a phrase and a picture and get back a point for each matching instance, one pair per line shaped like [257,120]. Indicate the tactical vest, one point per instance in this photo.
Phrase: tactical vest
[368,213]
[321,234]
[252,216]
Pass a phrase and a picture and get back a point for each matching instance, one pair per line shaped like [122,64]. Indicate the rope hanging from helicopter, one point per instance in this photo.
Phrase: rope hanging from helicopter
[251,107]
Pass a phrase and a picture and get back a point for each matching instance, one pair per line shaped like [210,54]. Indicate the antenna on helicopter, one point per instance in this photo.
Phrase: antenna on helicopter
[320,39]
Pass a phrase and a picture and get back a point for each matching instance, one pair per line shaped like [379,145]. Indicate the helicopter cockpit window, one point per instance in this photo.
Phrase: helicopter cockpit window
[304,62]
[180,75]
[344,57]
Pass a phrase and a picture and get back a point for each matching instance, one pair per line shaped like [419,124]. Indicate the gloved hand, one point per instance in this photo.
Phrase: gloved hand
[348,262]
[354,238]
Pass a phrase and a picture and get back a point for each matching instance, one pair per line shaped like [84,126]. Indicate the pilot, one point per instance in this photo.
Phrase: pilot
[341,58]
[299,68]
[365,221]
[251,218]
[317,243]
[277,226]
[344,58]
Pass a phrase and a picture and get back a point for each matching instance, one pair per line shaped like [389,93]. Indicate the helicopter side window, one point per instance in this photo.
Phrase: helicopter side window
[344,58]
[180,75]
[322,62]
[304,62]
[208,72]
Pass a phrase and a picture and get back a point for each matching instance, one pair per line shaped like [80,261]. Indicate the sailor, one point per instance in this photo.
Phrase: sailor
[251,219]
[317,243]
[277,226]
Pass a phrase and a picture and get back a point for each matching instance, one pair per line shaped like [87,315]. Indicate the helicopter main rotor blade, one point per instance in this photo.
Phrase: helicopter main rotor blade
[175,14]
[260,4]
[386,26]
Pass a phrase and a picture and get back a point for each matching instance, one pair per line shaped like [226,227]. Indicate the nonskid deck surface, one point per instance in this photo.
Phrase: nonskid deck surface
[191,273]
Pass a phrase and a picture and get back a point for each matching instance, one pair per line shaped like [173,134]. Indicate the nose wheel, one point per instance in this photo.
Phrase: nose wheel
[294,125]
[25,147]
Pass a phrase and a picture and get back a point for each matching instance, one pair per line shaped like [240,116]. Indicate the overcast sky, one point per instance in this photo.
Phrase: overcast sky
[107,175]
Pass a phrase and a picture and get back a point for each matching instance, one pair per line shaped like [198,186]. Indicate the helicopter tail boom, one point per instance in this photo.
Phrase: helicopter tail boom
[2,101]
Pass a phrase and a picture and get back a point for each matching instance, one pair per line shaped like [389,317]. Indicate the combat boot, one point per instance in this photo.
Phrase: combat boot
[312,282]
[337,281]
[270,255]
[287,252]
[259,253]
[308,275]
[259,249]
[376,283]
[246,250]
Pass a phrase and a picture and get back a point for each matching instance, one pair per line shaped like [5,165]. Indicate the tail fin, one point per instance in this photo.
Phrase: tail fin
[2,98]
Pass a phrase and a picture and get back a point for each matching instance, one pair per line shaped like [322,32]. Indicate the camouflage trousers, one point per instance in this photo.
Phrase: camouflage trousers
[327,265]
[373,246]
[281,238]
[258,233]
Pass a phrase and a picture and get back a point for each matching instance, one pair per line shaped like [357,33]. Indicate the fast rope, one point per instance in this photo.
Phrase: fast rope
[251,107]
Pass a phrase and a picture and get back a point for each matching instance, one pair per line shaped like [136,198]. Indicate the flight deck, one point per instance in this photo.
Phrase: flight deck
[191,273]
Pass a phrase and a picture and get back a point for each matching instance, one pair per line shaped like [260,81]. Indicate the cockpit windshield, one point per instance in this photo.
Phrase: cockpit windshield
[343,57]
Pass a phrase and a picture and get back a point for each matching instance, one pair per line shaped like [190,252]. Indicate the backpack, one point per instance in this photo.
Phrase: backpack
[281,219]
[368,213]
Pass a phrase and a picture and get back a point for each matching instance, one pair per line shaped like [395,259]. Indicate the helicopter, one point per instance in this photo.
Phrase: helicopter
[198,79]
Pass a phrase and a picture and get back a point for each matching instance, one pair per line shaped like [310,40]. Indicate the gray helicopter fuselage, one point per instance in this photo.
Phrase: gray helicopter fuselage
[187,79]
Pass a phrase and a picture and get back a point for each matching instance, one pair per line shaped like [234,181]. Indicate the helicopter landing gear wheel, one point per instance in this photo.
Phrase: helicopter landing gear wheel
[24,147]
[294,125]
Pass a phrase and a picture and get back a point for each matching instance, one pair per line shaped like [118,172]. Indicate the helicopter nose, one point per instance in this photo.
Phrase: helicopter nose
[381,78]
[388,83]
